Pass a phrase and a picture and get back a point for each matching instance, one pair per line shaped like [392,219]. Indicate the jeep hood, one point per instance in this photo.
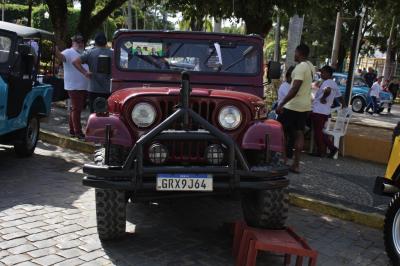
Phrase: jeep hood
[122,96]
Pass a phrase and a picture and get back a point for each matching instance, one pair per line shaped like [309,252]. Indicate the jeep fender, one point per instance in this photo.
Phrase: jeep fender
[96,130]
[256,135]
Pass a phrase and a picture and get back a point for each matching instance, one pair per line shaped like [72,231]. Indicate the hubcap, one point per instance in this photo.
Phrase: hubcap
[357,105]
[396,231]
[32,133]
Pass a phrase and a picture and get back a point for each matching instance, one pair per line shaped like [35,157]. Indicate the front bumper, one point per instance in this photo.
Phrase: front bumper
[135,176]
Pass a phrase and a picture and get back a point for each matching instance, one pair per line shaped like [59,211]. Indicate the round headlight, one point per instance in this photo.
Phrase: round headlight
[229,117]
[143,114]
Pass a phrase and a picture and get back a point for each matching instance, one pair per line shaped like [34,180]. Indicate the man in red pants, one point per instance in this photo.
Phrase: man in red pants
[75,83]
[321,110]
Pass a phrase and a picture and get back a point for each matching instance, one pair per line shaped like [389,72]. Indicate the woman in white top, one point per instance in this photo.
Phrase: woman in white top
[285,86]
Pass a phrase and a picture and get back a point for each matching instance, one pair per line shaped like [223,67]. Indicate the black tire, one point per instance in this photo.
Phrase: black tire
[392,218]
[110,203]
[27,138]
[358,104]
[266,208]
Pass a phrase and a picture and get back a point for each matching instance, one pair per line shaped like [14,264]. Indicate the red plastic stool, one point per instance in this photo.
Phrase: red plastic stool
[280,241]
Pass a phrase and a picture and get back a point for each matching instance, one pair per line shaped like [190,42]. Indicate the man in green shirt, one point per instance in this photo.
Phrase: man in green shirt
[294,108]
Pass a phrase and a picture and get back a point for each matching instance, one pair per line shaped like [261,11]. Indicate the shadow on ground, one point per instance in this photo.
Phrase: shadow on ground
[45,179]
[179,232]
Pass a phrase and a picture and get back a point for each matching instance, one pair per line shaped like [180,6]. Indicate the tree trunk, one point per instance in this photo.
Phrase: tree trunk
[336,41]
[30,13]
[341,57]
[59,15]
[387,70]
[294,38]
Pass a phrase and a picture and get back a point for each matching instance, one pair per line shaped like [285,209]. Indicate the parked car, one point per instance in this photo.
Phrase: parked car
[168,134]
[359,93]
[25,95]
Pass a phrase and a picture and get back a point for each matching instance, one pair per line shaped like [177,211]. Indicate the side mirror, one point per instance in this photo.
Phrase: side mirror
[24,49]
[104,64]
[274,70]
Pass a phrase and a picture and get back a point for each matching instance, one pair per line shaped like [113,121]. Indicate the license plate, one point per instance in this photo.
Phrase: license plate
[184,182]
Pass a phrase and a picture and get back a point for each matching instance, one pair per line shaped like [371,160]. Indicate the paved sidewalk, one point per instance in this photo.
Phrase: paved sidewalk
[47,217]
[346,181]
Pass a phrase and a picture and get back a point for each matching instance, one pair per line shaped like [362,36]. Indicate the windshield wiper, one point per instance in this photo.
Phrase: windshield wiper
[244,55]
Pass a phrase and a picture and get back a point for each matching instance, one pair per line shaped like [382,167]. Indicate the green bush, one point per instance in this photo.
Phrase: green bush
[15,13]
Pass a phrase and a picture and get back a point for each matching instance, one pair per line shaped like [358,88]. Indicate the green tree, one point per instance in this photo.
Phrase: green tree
[89,20]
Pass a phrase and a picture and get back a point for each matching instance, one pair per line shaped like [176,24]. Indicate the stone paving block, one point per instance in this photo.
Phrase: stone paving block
[92,255]
[70,262]
[4,253]
[13,217]
[27,263]
[12,243]
[31,225]
[11,223]
[48,260]
[9,230]
[44,243]
[42,252]
[31,219]
[14,259]
[42,236]
[69,244]
[69,229]
[14,235]
[67,237]
[71,253]
[21,249]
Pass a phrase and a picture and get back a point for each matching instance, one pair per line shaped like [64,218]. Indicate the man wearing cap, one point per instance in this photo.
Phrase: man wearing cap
[99,82]
[321,109]
[75,83]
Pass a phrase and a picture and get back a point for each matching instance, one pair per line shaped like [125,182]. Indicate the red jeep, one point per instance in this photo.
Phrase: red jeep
[186,117]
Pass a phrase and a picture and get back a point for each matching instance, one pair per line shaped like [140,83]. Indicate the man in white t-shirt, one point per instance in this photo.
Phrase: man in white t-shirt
[374,96]
[321,110]
[75,83]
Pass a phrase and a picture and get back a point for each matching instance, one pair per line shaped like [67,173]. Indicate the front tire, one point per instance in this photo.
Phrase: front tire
[27,138]
[358,105]
[391,230]
[110,203]
[266,208]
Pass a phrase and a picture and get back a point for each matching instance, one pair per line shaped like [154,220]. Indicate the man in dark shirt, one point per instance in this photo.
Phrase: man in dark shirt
[370,77]
[99,82]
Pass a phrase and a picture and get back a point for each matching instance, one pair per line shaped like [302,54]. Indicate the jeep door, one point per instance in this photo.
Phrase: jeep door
[8,42]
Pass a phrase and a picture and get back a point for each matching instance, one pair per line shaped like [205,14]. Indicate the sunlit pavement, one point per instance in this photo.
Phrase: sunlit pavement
[47,217]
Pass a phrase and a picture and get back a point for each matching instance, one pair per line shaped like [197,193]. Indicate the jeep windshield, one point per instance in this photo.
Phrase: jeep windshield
[206,56]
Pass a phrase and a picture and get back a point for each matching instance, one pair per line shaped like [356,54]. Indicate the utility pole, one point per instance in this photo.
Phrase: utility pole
[277,47]
[3,6]
[353,55]
[136,16]
[129,22]
[336,41]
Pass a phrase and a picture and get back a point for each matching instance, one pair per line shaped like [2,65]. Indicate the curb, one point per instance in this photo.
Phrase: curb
[66,142]
[373,220]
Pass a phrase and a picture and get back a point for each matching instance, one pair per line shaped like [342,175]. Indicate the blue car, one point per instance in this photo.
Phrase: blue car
[359,93]
[24,98]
